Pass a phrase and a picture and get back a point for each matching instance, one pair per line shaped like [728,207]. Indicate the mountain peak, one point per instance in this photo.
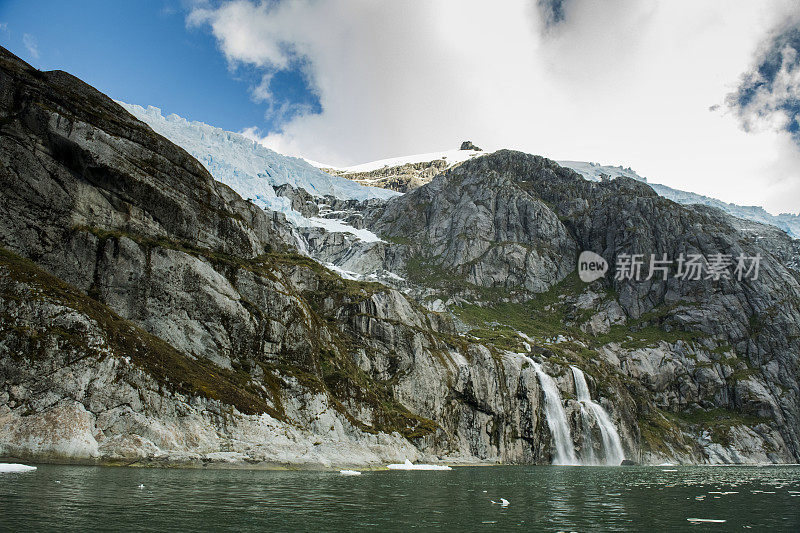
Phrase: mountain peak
[467,145]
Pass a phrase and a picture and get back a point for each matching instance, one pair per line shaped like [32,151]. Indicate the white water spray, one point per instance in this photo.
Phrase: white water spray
[613,453]
[556,418]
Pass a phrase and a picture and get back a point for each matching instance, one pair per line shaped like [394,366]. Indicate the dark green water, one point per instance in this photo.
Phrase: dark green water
[66,498]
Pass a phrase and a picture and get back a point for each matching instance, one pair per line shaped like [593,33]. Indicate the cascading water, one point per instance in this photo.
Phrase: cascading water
[301,243]
[612,445]
[556,418]
[587,450]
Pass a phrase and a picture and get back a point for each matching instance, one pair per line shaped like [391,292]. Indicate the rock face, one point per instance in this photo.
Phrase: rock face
[142,234]
[148,314]
[302,202]
[730,355]
[481,227]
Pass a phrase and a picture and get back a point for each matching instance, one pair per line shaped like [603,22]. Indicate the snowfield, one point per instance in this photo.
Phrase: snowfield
[451,156]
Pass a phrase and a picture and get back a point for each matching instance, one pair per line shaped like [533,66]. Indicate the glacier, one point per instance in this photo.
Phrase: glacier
[253,170]
[788,222]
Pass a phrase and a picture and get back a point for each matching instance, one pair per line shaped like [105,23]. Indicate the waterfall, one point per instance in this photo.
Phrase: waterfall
[556,418]
[587,449]
[301,243]
[612,445]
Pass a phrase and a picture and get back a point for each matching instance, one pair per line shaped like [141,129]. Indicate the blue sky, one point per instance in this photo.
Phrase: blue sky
[142,52]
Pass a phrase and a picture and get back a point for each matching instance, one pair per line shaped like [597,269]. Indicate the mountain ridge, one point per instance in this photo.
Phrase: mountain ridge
[150,315]
[406,173]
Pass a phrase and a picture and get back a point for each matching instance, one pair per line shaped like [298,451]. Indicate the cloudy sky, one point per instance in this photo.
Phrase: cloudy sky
[699,95]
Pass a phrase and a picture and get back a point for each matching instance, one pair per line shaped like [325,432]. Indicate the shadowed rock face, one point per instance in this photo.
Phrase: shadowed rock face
[73,158]
[149,314]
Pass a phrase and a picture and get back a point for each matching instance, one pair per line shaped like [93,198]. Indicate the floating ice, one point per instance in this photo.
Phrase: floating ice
[350,472]
[15,467]
[502,503]
[408,465]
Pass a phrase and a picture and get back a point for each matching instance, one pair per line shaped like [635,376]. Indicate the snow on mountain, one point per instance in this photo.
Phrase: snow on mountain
[786,221]
[253,170]
[595,171]
[451,156]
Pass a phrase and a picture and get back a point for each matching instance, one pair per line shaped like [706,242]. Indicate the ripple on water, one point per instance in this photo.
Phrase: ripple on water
[543,497]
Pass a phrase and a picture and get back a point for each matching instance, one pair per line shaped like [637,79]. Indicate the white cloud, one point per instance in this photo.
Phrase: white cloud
[615,82]
[261,92]
[31,45]
[769,95]
[3,26]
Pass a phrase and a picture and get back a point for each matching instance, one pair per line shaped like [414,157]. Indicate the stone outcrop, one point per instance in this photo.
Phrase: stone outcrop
[467,145]
[480,228]
[302,201]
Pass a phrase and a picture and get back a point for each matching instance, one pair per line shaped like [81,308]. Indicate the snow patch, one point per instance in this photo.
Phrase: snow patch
[337,226]
[346,274]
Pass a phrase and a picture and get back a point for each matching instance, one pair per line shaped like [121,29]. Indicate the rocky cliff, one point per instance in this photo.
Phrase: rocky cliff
[148,314]
[702,349]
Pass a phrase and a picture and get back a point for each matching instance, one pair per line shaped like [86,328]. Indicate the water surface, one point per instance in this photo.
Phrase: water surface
[72,498]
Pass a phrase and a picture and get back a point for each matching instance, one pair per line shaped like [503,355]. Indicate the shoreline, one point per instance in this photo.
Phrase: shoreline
[316,467]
